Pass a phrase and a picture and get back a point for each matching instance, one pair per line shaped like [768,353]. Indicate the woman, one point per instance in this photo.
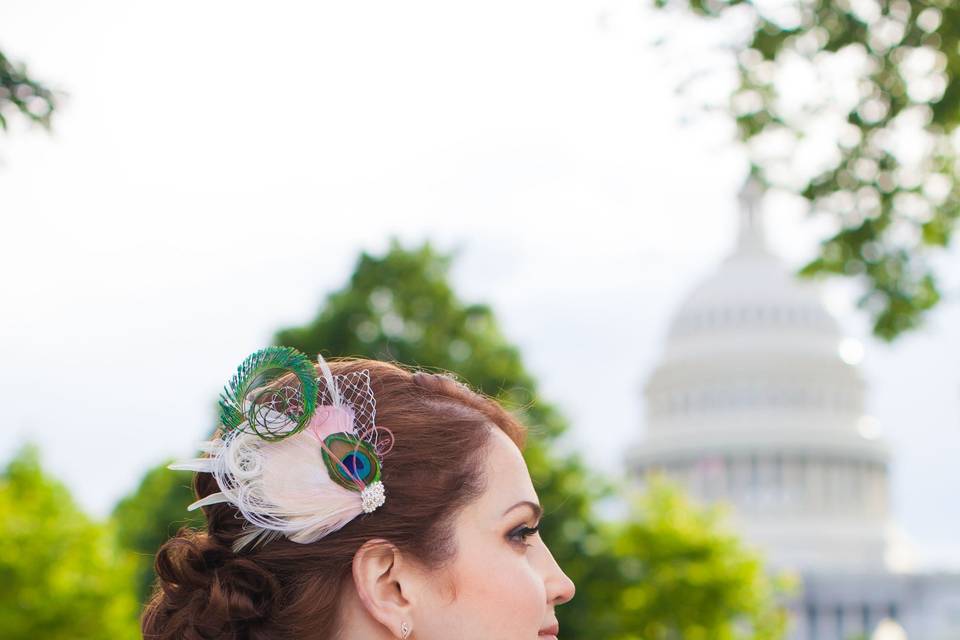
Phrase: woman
[440,539]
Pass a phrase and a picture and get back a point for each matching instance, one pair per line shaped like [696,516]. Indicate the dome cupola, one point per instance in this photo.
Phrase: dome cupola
[752,403]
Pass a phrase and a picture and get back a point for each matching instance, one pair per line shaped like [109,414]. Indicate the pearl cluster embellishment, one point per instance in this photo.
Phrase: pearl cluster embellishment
[373,496]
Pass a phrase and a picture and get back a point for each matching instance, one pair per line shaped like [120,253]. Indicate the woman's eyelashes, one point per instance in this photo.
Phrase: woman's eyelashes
[521,533]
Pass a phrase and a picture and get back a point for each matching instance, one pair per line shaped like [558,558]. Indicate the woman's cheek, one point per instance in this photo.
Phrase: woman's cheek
[507,594]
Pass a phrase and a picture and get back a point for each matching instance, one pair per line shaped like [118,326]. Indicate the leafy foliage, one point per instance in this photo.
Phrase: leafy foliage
[401,307]
[690,578]
[150,515]
[62,576]
[19,93]
[889,179]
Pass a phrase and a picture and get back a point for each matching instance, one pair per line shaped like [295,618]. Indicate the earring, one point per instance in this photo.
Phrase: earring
[404,629]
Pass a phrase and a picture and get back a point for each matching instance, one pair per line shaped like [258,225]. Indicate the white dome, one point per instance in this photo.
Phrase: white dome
[753,290]
[753,303]
[750,341]
[753,404]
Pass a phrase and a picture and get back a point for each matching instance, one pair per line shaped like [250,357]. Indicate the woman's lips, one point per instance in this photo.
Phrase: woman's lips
[550,633]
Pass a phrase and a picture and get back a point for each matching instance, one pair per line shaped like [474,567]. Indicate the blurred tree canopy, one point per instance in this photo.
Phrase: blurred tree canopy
[150,515]
[880,78]
[688,577]
[62,576]
[21,94]
[400,306]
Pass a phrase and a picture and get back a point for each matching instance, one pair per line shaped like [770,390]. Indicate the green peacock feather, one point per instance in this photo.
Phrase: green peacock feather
[349,459]
[254,373]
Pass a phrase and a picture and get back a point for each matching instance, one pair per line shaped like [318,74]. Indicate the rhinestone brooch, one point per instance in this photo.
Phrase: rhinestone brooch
[373,496]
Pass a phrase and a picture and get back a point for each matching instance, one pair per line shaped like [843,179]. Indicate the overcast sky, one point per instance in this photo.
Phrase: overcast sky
[218,166]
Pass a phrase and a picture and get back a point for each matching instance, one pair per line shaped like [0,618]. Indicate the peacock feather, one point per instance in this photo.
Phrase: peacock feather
[349,459]
[249,403]
[300,461]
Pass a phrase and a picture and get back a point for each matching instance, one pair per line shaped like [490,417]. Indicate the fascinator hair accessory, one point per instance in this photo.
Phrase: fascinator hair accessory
[297,455]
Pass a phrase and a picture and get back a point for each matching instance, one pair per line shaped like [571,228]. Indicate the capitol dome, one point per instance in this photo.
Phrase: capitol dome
[757,402]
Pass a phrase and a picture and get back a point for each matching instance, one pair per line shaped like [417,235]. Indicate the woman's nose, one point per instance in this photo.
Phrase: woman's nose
[560,587]
[563,590]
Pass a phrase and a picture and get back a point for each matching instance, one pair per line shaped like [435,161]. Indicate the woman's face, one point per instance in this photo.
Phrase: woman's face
[502,585]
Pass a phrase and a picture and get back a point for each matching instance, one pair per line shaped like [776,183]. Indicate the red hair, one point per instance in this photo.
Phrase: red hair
[288,590]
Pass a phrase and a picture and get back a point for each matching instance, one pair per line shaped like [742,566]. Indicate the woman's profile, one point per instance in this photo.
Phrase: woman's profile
[357,500]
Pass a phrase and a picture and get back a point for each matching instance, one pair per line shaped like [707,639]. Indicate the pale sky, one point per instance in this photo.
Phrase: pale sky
[218,166]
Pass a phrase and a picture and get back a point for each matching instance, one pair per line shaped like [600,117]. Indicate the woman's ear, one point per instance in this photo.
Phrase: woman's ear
[386,584]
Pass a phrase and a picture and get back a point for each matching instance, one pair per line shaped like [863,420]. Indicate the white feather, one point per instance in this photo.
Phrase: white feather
[213,498]
[204,465]
[210,446]
[283,486]
[328,376]
[254,536]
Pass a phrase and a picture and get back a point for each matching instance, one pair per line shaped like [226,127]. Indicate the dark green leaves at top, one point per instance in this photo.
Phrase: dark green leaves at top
[24,94]
[892,212]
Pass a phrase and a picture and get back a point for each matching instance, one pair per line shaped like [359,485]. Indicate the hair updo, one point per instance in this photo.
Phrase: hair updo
[284,589]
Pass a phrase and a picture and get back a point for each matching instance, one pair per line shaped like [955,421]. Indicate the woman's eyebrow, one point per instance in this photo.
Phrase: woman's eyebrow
[537,509]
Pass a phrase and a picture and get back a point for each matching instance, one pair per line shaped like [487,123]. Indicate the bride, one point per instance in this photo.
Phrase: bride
[357,500]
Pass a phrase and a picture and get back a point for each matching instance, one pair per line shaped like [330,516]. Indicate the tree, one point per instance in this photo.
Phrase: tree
[62,576]
[401,307]
[892,206]
[150,515]
[19,93]
[691,578]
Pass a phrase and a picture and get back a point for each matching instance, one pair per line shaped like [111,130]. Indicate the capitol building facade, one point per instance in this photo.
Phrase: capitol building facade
[757,403]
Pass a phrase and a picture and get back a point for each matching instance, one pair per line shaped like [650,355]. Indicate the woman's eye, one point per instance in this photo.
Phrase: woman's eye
[521,534]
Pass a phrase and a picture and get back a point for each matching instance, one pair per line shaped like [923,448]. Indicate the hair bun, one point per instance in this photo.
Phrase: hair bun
[208,589]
